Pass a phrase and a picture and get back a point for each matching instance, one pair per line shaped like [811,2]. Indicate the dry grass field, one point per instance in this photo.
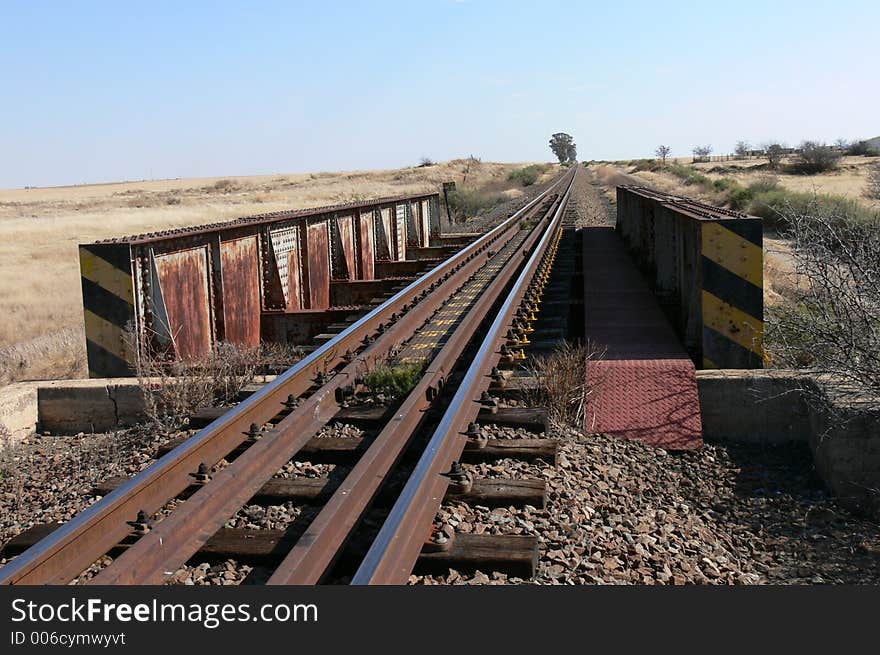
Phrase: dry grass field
[40,296]
[848,180]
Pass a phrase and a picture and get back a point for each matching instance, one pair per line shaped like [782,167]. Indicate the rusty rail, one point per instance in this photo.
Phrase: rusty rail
[65,553]
[316,550]
[393,553]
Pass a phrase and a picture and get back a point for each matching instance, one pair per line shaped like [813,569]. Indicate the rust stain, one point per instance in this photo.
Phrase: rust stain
[183,277]
[319,265]
[411,212]
[241,290]
[346,235]
[365,224]
[386,253]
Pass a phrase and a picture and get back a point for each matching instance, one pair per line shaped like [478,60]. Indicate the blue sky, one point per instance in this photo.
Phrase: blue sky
[125,91]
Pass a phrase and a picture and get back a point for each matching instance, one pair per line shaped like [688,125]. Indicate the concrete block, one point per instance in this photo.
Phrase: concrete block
[753,405]
[71,406]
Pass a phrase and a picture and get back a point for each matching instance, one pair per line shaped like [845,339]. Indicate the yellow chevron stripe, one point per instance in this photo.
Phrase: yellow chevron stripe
[733,323]
[105,334]
[728,249]
[105,275]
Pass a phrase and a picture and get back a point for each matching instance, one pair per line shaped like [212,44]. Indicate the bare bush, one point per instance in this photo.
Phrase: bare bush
[663,152]
[702,153]
[832,326]
[561,384]
[774,153]
[815,157]
[174,389]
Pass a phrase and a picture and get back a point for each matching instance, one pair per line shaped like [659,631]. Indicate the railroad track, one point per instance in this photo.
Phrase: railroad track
[464,323]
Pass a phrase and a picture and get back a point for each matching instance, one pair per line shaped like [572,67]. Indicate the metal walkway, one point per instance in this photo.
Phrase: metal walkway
[641,383]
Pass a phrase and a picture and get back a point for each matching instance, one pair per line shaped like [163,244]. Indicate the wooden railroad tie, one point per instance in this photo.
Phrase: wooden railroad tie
[510,554]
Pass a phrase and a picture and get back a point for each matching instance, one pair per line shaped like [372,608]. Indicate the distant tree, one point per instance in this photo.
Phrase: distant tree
[662,152]
[702,152]
[563,147]
[742,148]
[774,153]
[843,144]
[815,157]
[425,161]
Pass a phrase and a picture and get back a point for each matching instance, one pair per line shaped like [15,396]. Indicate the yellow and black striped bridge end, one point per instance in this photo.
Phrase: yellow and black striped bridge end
[108,306]
[732,293]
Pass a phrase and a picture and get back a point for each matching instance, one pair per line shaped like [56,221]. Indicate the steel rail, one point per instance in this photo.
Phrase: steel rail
[316,550]
[394,551]
[179,536]
[71,548]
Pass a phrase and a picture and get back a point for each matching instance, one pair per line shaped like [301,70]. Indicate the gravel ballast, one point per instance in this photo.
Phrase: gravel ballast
[623,513]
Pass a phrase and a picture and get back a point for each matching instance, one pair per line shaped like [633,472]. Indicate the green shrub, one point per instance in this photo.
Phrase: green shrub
[527,176]
[772,205]
[740,197]
[724,184]
[396,381]
[689,176]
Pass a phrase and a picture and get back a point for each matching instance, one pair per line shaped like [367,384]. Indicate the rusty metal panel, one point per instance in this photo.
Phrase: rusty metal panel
[370,233]
[183,276]
[294,280]
[434,216]
[285,239]
[319,265]
[412,224]
[367,249]
[345,225]
[385,245]
[241,290]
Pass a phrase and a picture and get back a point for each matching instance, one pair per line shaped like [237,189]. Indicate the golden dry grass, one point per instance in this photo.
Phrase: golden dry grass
[849,180]
[40,295]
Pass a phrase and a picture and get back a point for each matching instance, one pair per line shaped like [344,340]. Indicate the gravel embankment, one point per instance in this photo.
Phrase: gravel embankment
[623,513]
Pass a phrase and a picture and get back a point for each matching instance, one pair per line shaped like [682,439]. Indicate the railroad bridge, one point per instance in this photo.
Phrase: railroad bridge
[675,287]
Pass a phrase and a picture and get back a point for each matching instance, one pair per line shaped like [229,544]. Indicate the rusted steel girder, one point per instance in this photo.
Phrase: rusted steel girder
[181,291]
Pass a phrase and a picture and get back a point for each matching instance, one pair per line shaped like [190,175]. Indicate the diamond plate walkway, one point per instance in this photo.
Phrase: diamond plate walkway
[642,385]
